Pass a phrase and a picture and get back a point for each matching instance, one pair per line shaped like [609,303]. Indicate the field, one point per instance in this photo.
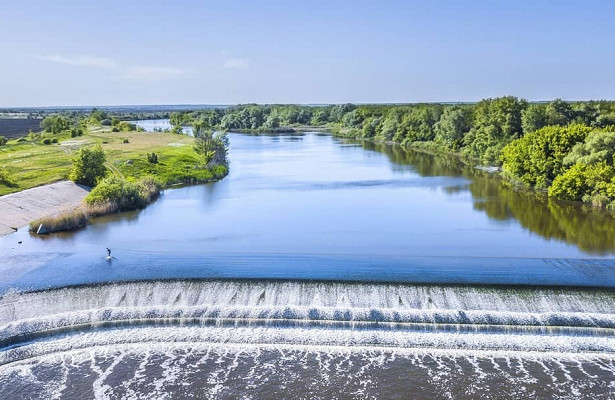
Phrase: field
[31,163]
[12,128]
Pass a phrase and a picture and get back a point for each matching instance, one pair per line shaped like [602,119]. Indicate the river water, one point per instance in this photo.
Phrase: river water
[159,125]
[318,268]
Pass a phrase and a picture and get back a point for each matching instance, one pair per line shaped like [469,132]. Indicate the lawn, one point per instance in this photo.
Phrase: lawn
[31,163]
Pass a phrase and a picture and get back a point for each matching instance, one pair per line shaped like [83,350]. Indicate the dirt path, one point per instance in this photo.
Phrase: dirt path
[19,209]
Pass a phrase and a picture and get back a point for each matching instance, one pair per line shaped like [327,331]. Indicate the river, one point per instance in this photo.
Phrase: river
[318,268]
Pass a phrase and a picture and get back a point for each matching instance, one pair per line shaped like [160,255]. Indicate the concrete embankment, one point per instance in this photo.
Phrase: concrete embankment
[19,209]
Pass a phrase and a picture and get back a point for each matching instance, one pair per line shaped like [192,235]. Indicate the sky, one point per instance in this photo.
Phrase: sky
[86,52]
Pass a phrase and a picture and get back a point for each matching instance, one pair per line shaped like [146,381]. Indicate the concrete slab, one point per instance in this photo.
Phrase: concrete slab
[19,209]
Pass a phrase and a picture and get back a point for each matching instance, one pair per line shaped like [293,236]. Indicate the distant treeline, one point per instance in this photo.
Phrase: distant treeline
[565,147]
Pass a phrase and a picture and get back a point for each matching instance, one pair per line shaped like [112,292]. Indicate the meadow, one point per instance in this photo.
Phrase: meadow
[29,163]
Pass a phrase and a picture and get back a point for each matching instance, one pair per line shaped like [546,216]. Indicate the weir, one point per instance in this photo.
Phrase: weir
[309,313]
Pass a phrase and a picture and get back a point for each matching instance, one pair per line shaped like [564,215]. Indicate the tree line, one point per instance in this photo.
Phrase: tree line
[563,147]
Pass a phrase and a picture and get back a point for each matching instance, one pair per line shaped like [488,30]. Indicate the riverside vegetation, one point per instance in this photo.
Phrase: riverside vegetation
[126,168]
[565,149]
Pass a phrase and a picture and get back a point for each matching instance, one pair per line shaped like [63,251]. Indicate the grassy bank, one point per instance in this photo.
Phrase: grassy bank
[29,163]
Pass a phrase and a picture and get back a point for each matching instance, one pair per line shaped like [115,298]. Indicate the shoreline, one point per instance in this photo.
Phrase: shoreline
[21,208]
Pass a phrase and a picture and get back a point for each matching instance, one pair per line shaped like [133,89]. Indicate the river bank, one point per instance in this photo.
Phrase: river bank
[132,157]
[20,209]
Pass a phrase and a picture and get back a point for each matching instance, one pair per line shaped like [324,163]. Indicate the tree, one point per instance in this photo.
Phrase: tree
[533,118]
[538,157]
[452,126]
[97,115]
[211,146]
[55,123]
[588,183]
[496,123]
[598,146]
[559,113]
[88,166]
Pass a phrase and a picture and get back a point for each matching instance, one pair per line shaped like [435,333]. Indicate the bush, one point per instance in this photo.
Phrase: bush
[152,158]
[46,141]
[3,140]
[74,132]
[54,140]
[5,178]
[88,166]
[126,195]
[125,141]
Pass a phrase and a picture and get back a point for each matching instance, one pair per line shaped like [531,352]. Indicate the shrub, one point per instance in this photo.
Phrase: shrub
[88,166]
[33,136]
[5,178]
[54,140]
[46,141]
[125,141]
[3,140]
[125,195]
[74,132]
[152,158]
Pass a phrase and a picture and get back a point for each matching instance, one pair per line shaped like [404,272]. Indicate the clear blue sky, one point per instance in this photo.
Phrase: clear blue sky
[177,52]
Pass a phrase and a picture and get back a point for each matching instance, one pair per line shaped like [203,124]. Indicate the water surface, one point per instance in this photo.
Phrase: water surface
[318,268]
[314,207]
[159,125]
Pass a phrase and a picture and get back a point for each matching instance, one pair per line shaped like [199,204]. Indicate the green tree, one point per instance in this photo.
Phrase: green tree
[538,157]
[211,146]
[55,123]
[533,118]
[88,166]
[588,183]
[452,126]
[559,112]
[97,115]
[496,122]
[598,146]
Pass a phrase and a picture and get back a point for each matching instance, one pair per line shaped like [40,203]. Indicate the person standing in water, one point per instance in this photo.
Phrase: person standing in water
[108,252]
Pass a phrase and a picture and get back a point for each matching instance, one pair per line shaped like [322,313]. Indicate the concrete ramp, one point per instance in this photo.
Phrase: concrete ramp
[19,209]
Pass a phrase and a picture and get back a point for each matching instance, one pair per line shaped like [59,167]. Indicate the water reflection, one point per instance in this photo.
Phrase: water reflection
[592,230]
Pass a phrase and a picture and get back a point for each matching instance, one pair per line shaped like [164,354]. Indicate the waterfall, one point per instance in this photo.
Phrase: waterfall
[384,311]
[525,337]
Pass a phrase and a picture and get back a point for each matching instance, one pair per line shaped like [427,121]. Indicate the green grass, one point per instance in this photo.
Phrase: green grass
[30,163]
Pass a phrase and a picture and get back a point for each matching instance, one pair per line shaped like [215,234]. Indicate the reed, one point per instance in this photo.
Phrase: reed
[147,190]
